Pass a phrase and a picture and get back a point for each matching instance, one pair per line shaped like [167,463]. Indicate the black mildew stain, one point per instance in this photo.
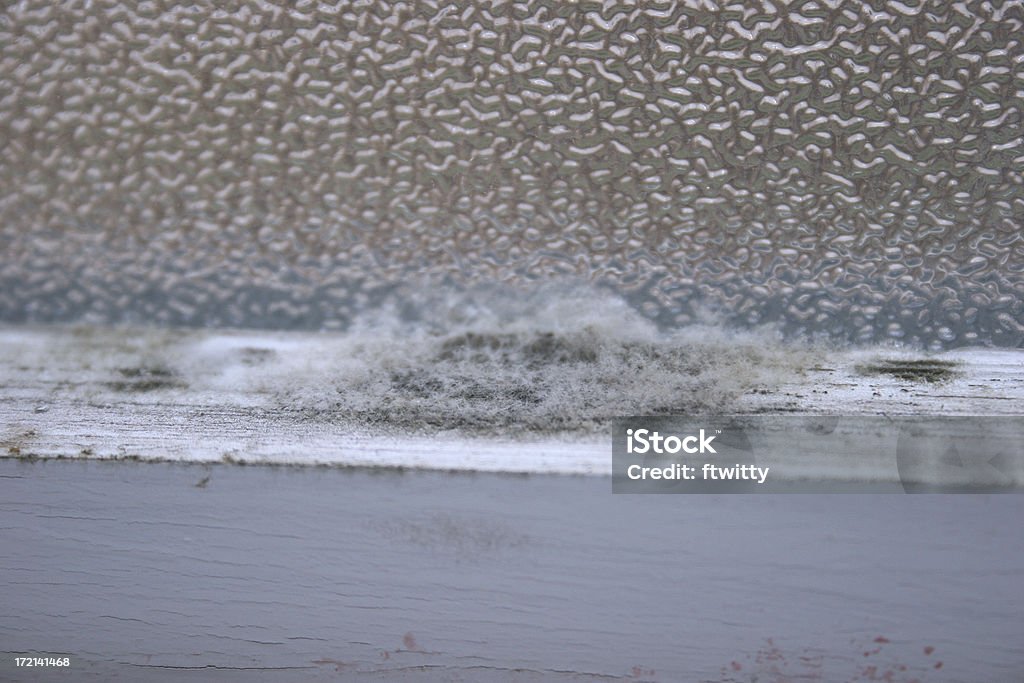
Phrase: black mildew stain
[543,348]
[144,378]
[928,370]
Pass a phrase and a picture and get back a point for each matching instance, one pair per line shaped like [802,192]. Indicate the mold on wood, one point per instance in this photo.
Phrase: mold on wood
[930,370]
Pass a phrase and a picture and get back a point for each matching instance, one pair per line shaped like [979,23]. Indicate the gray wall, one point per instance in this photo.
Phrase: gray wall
[848,168]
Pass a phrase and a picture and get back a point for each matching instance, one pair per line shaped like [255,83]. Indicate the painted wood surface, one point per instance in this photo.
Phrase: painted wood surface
[167,572]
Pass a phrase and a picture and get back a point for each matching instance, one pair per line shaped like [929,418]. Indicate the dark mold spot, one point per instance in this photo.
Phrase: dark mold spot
[921,370]
[144,385]
[416,383]
[542,349]
[133,373]
[141,379]
[256,356]
[462,346]
[547,348]
[514,393]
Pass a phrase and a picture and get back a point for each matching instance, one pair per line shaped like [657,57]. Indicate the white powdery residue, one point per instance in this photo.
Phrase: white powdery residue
[510,364]
[547,362]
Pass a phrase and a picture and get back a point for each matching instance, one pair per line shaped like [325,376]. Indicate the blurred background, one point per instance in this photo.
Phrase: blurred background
[851,170]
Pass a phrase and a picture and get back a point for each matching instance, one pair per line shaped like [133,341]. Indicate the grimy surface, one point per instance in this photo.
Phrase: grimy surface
[481,398]
[169,572]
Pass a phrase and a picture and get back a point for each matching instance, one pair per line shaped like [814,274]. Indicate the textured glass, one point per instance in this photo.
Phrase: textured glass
[853,169]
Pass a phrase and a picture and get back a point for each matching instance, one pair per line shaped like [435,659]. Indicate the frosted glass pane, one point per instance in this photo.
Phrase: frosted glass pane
[854,169]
